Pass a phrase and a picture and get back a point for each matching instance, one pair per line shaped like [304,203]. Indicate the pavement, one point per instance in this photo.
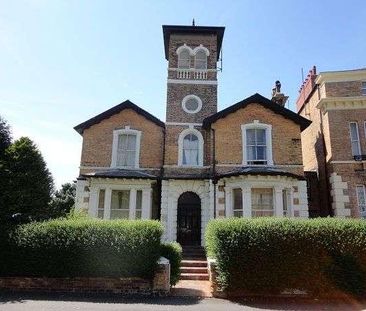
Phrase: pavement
[28,302]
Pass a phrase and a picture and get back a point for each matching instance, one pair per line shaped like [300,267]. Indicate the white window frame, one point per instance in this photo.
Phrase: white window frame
[188,97]
[116,133]
[203,49]
[183,134]
[362,214]
[180,49]
[241,210]
[257,125]
[358,138]
[273,201]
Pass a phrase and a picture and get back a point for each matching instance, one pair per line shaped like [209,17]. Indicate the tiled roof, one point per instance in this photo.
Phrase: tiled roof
[170,29]
[114,110]
[259,170]
[122,173]
[261,100]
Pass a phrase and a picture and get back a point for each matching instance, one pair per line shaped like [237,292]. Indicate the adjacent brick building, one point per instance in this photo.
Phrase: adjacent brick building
[200,164]
[334,145]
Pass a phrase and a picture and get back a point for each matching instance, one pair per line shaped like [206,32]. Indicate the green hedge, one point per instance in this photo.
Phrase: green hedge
[83,247]
[320,256]
[173,252]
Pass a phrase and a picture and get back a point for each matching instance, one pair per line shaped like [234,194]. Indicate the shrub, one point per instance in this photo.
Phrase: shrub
[173,252]
[320,256]
[84,247]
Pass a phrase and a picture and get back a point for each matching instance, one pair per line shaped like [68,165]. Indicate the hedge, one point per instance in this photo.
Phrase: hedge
[83,247]
[173,252]
[269,255]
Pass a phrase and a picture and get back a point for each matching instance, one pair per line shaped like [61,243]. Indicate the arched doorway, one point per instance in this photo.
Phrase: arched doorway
[189,219]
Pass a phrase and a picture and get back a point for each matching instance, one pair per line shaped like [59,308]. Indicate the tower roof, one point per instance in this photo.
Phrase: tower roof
[172,29]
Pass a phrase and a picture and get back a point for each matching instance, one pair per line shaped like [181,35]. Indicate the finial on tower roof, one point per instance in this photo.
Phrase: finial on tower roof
[193,23]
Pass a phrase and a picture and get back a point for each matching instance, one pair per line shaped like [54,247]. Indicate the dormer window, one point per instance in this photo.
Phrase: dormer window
[200,60]
[257,144]
[184,59]
[126,148]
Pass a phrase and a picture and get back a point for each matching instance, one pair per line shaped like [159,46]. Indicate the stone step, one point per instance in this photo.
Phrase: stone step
[193,263]
[194,276]
[193,269]
[194,258]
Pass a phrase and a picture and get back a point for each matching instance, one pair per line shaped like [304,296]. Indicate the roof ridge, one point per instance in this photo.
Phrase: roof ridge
[127,104]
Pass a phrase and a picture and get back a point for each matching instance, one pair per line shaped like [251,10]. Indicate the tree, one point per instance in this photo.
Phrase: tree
[30,182]
[5,137]
[5,141]
[63,200]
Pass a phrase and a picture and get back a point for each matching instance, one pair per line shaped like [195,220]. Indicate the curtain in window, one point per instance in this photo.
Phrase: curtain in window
[120,203]
[355,139]
[262,202]
[200,60]
[190,150]
[184,60]
[238,203]
[361,198]
[126,152]
[256,146]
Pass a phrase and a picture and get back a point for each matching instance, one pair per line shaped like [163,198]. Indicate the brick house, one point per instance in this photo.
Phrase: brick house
[200,164]
[334,145]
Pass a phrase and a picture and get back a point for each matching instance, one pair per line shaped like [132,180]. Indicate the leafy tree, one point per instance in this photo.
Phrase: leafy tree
[5,137]
[30,182]
[63,200]
[5,141]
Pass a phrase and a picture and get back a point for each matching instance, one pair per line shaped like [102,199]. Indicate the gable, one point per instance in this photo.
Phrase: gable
[259,100]
[116,110]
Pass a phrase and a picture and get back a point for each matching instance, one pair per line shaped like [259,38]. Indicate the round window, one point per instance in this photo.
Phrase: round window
[191,104]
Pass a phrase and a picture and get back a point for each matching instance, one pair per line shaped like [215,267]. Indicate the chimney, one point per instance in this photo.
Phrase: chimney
[306,88]
[278,97]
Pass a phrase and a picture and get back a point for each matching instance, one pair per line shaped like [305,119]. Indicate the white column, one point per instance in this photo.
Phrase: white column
[146,203]
[132,204]
[107,203]
[229,201]
[93,202]
[278,201]
[246,192]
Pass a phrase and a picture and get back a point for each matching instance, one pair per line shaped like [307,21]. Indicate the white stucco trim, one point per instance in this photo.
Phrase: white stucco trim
[126,130]
[183,124]
[200,146]
[339,198]
[183,47]
[278,184]
[188,97]
[257,125]
[133,185]
[170,193]
[201,48]
[183,81]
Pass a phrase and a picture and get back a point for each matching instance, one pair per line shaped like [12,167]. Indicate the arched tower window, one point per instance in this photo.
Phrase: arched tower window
[184,59]
[200,60]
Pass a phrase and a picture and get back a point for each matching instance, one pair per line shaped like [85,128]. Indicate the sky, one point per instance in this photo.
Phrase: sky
[63,62]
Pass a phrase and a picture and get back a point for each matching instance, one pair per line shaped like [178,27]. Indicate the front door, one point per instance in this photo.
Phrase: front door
[189,219]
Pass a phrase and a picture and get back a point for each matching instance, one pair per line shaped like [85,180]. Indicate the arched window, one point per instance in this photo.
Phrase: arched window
[184,59]
[190,150]
[200,60]
[190,144]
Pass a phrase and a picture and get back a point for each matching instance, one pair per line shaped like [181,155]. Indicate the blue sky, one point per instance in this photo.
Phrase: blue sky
[62,62]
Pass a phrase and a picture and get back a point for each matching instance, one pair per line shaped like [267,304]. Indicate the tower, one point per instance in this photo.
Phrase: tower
[192,53]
